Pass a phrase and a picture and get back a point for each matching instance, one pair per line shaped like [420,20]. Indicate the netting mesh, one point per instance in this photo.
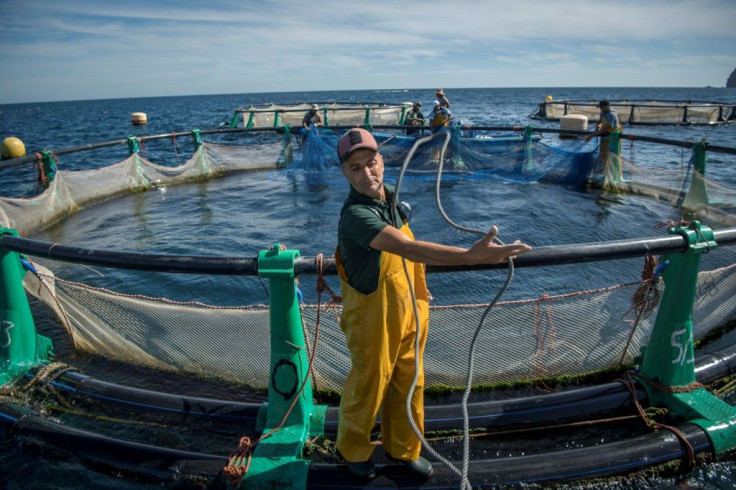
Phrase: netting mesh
[507,157]
[333,114]
[561,335]
[72,190]
[644,112]
[567,334]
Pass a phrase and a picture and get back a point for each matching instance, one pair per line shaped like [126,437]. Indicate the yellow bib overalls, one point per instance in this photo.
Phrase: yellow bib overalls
[380,329]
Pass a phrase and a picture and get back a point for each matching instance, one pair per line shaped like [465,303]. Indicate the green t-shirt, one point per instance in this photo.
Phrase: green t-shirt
[361,219]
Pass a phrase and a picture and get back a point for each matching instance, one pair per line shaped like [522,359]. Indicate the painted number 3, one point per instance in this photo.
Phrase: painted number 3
[681,344]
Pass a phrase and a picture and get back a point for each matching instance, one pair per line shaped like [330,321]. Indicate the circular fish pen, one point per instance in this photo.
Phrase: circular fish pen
[580,309]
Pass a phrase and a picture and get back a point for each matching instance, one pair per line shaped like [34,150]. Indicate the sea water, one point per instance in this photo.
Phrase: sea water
[247,212]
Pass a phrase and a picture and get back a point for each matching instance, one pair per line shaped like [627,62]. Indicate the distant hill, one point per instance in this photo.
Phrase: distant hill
[731,82]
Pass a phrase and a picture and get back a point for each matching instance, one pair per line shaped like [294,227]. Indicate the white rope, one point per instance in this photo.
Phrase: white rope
[465,482]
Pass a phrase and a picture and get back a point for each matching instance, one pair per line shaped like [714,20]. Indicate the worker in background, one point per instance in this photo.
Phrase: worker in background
[311,119]
[609,122]
[442,98]
[414,118]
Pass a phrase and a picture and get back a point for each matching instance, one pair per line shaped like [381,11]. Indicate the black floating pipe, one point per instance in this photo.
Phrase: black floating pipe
[605,460]
[199,264]
[710,366]
[145,401]
[155,462]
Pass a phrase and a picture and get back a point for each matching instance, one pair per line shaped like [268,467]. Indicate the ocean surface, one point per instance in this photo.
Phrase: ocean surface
[244,213]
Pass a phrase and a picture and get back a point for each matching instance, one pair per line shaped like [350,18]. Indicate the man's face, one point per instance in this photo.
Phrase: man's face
[364,170]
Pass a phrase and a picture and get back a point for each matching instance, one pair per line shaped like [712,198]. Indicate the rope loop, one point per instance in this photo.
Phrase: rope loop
[628,382]
[322,285]
[239,462]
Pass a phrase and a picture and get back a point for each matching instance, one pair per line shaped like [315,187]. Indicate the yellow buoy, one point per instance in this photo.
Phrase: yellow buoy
[138,118]
[549,98]
[13,148]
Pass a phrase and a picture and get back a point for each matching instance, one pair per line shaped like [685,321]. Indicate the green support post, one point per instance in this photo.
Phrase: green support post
[528,165]
[697,198]
[326,120]
[197,139]
[367,119]
[278,459]
[455,154]
[132,145]
[21,348]
[49,168]
[667,368]
[251,117]
[615,149]
[276,118]
[402,117]
[234,120]
[286,156]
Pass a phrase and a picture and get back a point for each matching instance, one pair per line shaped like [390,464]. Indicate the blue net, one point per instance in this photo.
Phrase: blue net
[506,157]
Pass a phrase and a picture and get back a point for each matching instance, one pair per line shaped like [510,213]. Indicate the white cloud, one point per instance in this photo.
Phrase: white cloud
[330,45]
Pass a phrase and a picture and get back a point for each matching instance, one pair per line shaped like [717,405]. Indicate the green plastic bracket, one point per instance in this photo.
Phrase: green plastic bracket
[49,168]
[21,348]
[234,120]
[697,197]
[276,118]
[667,369]
[251,117]
[529,165]
[133,145]
[278,459]
[325,119]
[402,117]
[367,119]
[699,151]
[286,156]
[197,139]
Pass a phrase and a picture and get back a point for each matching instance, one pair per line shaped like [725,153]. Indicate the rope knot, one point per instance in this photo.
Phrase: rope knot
[239,462]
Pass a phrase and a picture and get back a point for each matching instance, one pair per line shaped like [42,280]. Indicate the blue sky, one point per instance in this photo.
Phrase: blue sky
[90,49]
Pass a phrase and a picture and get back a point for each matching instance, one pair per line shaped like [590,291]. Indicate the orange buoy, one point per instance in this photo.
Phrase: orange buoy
[138,118]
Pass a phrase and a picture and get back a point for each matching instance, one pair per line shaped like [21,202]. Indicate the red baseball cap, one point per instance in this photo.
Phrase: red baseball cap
[353,140]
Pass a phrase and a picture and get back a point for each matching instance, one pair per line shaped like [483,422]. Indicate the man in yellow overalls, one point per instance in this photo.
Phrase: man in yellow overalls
[608,123]
[378,316]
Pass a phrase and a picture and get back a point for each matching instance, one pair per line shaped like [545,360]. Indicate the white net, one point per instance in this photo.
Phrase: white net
[72,190]
[646,112]
[568,334]
[333,114]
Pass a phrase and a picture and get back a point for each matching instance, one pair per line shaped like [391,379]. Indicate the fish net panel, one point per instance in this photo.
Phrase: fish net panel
[73,190]
[651,112]
[560,335]
[332,114]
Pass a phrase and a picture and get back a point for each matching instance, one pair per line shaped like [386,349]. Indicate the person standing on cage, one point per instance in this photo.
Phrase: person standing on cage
[378,317]
[442,98]
[608,123]
[311,119]
[414,118]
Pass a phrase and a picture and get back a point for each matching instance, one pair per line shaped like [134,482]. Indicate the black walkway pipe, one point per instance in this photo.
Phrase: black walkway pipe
[165,464]
[605,460]
[533,409]
[201,264]
[280,130]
